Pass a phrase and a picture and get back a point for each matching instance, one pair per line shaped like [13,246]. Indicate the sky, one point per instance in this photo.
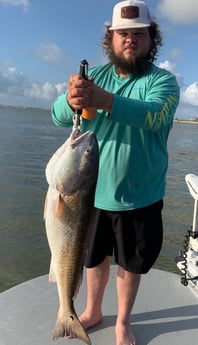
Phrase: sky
[43,42]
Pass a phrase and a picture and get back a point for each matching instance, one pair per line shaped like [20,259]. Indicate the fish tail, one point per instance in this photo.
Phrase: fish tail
[70,327]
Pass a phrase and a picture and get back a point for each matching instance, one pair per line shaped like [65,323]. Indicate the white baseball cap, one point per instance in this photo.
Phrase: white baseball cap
[130,14]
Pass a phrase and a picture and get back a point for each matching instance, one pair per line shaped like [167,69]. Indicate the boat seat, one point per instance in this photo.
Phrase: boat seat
[192,183]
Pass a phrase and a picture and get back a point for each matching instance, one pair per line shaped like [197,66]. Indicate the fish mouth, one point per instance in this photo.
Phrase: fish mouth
[77,136]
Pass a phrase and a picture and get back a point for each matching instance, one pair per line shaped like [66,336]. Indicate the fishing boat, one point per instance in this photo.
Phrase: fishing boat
[187,261]
[165,311]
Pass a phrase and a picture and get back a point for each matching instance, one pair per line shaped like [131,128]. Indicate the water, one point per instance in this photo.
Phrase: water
[27,140]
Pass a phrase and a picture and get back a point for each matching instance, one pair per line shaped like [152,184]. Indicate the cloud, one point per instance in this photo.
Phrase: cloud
[177,11]
[61,87]
[11,81]
[46,91]
[188,106]
[17,89]
[190,94]
[170,66]
[24,3]
[50,52]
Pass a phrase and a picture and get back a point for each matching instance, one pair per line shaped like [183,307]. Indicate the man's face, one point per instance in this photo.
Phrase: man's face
[130,44]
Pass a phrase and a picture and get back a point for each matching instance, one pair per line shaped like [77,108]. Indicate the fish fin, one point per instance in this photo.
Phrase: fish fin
[52,276]
[70,327]
[55,198]
[57,205]
[56,202]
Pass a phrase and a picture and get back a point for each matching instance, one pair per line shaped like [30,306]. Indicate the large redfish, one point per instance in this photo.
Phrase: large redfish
[71,174]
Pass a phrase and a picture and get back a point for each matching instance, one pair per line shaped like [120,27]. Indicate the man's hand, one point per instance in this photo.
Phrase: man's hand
[84,94]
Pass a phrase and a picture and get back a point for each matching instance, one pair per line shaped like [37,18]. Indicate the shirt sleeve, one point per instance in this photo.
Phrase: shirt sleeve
[62,113]
[152,113]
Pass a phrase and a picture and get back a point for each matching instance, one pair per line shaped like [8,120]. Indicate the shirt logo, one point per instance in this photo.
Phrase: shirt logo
[129,12]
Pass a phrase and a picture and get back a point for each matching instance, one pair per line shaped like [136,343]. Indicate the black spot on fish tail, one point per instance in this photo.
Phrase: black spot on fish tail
[70,327]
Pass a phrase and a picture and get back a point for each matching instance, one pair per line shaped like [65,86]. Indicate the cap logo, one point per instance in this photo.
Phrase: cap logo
[130,12]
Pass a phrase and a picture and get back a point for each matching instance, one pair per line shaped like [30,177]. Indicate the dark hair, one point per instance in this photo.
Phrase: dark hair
[155,35]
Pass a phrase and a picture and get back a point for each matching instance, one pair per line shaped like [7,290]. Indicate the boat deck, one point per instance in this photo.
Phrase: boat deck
[165,312]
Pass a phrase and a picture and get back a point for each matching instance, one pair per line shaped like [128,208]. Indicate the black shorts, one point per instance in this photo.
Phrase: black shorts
[133,237]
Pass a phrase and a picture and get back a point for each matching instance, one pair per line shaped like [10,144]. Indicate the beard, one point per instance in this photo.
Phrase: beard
[135,66]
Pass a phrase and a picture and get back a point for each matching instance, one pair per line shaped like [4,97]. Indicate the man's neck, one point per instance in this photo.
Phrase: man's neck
[120,73]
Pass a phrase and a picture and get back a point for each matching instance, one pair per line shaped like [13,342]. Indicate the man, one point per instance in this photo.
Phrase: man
[135,102]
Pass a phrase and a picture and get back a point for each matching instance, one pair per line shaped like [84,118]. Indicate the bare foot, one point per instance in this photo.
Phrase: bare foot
[124,335]
[89,321]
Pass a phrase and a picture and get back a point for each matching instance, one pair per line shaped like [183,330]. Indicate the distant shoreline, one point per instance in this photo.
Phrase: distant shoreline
[186,121]
[23,107]
[191,121]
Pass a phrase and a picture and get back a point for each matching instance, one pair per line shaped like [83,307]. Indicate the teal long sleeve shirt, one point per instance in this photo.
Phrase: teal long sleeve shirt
[132,138]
